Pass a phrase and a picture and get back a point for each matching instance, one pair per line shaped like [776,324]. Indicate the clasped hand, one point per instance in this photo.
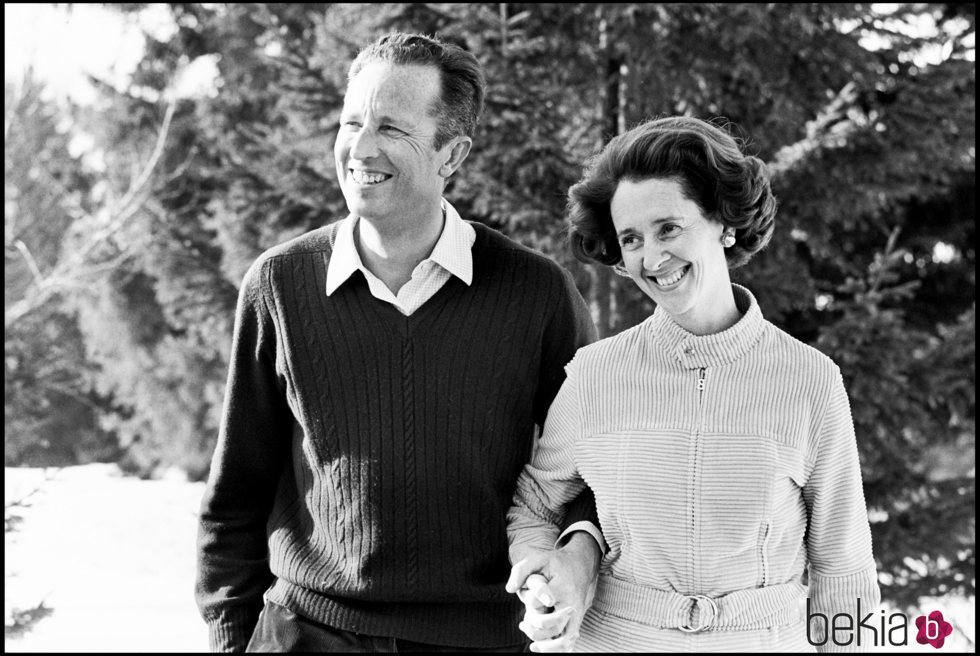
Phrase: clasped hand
[556,588]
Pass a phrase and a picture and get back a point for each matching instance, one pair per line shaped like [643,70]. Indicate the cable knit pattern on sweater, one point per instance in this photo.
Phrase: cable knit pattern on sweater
[366,459]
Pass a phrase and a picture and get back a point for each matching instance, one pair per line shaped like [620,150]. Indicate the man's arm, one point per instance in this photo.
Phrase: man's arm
[232,552]
[570,328]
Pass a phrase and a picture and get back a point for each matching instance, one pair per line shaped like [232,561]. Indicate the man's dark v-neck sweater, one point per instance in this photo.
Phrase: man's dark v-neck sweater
[366,460]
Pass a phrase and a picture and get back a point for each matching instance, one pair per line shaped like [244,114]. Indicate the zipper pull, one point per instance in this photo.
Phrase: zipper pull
[701,379]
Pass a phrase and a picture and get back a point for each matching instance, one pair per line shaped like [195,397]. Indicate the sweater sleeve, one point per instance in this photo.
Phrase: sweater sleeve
[549,481]
[569,328]
[841,565]
[232,551]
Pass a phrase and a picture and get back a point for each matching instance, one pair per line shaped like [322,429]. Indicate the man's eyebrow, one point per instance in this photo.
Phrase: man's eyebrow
[385,119]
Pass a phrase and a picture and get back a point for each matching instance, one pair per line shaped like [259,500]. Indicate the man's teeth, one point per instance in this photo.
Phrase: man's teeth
[672,278]
[362,177]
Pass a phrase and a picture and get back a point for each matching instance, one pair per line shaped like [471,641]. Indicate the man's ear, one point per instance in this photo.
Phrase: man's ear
[458,150]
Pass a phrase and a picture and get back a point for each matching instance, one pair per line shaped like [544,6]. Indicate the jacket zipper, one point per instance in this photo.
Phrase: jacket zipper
[695,478]
[767,531]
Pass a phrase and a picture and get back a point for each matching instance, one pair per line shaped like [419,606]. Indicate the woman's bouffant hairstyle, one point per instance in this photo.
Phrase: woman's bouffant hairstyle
[463,83]
[729,186]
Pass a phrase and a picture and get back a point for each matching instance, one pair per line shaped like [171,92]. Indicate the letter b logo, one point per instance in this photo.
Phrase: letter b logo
[932,629]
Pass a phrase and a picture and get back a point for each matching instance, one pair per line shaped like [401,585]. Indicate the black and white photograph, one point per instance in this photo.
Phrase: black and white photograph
[489,327]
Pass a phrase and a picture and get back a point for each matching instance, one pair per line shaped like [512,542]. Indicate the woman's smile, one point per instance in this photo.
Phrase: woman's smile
[668,281]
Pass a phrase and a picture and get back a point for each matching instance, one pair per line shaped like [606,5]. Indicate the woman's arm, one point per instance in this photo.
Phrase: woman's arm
[841,565]
[550,481]
[548,577]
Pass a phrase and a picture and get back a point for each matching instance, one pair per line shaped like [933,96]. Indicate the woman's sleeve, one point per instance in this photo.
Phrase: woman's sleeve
[551,479]
[841,565]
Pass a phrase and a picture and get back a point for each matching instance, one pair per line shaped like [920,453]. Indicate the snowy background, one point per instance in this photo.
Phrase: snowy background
[112,557]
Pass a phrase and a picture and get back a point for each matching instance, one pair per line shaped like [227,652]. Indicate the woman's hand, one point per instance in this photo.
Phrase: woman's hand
[556,587]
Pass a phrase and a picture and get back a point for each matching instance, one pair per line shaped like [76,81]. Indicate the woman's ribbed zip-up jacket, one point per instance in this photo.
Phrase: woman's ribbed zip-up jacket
[719,463]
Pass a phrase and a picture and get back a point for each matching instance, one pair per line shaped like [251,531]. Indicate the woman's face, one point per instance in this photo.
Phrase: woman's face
[672,251]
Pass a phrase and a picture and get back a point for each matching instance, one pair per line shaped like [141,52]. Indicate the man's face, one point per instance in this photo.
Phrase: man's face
[387,168]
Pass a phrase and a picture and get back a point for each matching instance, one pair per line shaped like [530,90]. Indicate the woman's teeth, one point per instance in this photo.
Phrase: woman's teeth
[667,281]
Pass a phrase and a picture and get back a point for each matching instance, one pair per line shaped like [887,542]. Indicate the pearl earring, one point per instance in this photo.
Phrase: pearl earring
[728,240]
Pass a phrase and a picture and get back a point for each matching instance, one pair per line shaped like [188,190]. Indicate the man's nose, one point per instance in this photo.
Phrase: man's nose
[363,144]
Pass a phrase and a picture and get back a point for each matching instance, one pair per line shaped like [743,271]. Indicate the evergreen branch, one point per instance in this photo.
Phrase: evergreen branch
[10,515]
[69,273]
[126,207]
[25,252]
[22,620]
[827,129]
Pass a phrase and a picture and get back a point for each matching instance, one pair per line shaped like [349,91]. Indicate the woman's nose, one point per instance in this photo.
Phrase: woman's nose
[653,256]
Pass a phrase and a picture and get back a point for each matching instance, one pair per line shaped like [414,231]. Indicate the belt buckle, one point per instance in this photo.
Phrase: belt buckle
[702,624]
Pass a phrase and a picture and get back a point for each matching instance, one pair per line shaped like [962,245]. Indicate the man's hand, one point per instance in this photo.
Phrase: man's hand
[556,588]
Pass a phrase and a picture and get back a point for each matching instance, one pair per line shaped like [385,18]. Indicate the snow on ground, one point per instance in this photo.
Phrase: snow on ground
[113,557]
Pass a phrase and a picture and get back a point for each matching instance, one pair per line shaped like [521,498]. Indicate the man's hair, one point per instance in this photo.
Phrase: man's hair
[463,86]
[728,186]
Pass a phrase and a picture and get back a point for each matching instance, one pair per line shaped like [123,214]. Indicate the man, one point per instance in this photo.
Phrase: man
[387,374]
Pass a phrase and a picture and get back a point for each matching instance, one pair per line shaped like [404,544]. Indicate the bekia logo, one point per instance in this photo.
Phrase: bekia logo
[844,629]
[932,629]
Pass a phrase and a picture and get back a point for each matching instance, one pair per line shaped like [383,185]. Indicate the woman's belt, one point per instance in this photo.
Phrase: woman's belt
[753,608]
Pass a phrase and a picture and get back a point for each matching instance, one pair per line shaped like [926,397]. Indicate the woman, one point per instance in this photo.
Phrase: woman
[720,449]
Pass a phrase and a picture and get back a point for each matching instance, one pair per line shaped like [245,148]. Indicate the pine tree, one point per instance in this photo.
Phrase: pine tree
[50,411]
[872,149]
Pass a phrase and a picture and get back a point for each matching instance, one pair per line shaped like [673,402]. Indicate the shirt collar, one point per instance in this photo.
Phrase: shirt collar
[453,251]
[697,351]
[344,260]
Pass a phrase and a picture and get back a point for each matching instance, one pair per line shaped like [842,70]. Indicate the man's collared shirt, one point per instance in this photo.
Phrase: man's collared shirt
[452,256]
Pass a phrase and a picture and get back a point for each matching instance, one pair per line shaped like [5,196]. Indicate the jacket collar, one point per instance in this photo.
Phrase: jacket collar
[697,351]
